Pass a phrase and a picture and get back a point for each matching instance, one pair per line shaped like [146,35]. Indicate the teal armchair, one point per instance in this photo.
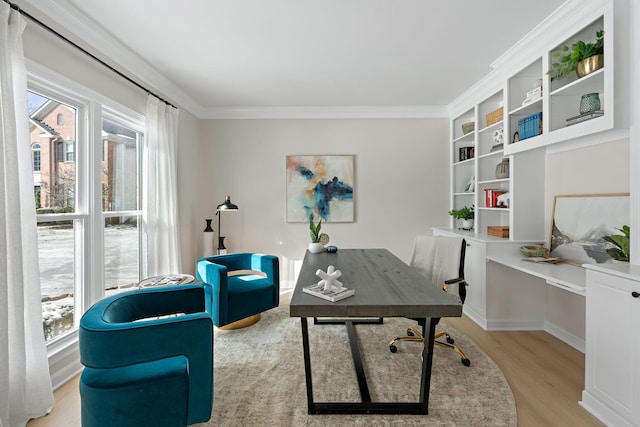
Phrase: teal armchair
[152,372]
[236,297]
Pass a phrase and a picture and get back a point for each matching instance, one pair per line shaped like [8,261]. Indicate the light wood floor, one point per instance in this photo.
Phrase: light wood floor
[545,375]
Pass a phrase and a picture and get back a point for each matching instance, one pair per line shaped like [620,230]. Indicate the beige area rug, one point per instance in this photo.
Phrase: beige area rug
[259,377]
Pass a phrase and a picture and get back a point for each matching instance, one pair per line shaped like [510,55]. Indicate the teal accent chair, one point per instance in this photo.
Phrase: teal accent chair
[235,297]
[152,372]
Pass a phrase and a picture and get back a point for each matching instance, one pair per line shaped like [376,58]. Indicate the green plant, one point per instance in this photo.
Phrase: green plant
[621,251]
[463,213]
[568,58]
[315,230]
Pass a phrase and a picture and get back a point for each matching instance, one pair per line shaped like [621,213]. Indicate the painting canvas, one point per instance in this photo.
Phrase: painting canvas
[580,223]
[320,187]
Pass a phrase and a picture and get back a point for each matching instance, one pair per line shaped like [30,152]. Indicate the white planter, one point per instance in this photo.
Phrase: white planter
[316,248]
[467,224]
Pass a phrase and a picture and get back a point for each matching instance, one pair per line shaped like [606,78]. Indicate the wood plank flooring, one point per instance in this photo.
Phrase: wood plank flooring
[546,377]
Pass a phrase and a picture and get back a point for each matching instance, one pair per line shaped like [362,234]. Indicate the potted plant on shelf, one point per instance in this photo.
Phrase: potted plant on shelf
[621,242]
[466,214]
[583,58]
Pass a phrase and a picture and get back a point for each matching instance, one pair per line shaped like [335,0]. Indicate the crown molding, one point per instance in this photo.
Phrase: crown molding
[80,27]
[352,112]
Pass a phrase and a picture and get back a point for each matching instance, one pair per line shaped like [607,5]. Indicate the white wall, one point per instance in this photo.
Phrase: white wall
[401,182]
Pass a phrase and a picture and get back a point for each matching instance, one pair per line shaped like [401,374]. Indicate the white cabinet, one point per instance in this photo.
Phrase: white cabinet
[612,358]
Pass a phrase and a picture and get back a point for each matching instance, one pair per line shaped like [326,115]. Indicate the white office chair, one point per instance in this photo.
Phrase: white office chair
[441,260]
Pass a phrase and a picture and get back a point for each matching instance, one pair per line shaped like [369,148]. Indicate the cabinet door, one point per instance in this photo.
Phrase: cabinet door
[474,274]
[612,343]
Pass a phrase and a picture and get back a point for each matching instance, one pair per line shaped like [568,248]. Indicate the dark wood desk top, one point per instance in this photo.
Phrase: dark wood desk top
[384,287]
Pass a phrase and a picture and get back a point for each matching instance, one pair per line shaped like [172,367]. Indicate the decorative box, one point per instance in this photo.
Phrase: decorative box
[495,116]
[498,231]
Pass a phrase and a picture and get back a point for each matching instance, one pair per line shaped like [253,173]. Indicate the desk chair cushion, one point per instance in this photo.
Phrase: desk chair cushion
[438,259]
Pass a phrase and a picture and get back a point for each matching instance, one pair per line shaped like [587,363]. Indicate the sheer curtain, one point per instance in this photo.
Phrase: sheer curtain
[25,385]
[160,195]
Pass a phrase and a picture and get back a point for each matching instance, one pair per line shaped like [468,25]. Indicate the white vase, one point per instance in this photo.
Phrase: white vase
[467,224]
[315,248]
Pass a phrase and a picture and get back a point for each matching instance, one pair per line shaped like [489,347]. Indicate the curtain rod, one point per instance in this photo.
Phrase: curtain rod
[86,52]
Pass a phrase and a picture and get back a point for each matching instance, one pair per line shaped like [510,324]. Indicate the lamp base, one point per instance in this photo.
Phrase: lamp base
[222,250]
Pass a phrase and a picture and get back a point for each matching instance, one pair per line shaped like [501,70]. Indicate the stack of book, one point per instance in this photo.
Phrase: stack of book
[491,197]
[466,153]
[584,117]
[530,126]
[533,95]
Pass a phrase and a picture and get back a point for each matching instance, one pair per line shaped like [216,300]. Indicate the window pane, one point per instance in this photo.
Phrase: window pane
[56,250]
[121,252]
[56,177]
[119,167]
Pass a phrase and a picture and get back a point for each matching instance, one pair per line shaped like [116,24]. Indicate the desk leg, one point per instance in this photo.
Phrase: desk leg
[307,364]
[428,332]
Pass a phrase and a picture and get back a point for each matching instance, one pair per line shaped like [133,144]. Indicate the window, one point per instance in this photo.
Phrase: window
[35,156]
[68,151]
[90,237]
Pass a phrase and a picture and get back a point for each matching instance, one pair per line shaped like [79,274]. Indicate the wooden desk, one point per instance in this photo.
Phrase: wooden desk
[384,287]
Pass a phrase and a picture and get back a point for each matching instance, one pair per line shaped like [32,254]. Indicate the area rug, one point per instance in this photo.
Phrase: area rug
[259,376]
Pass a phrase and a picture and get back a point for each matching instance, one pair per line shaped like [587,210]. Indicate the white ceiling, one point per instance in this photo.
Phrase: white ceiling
[219,56]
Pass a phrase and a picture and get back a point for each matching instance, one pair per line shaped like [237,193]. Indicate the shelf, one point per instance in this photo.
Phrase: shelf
[493,181]
[493,209]
[590,83]
[491,127]
[472,193]
[468,137]
[525,110]
[492,154]
[464,162]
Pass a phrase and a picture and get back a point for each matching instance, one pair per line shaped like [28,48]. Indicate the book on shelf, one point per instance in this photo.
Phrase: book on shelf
[318,290]
[584,117]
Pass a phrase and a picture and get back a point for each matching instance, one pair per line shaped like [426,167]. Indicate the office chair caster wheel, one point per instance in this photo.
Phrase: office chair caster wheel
[393,348]
[410,333]
[450,340]
[466,362]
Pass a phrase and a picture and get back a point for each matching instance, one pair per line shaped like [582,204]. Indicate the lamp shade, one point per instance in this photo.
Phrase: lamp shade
[227,205]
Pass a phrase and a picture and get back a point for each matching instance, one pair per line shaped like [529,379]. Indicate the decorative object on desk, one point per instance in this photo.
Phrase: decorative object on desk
[329,287]
[502,169]
[320,187]
[581,221]
[498,231]
[332,249]
[495,116]
[503,200]
[589,102]
[227,206]
[578,58]
[466,214]
[390,378]
[317,238]
[470,185]
[468,127]
[329,279]
[620,250]
[538,250]
[207,239]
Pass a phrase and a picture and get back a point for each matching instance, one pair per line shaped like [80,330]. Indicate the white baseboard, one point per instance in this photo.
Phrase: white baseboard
[602,411]
[565,336]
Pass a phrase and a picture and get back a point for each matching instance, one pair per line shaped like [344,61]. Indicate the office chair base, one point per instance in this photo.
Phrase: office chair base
[414,335]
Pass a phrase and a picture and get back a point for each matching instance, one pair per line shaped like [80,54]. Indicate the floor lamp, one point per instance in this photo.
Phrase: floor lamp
[226,206]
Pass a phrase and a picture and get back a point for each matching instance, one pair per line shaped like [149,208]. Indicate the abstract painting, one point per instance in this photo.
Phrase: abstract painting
[320,187]
[581,221]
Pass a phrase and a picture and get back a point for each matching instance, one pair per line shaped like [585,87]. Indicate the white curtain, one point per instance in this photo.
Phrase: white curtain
[25,385]
[160,195]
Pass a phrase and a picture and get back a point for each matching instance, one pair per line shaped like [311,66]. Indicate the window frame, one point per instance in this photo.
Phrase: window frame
[88,215]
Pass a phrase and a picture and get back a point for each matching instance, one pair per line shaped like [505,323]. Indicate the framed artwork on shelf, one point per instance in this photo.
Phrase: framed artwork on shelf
[580,224]
[320,187]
